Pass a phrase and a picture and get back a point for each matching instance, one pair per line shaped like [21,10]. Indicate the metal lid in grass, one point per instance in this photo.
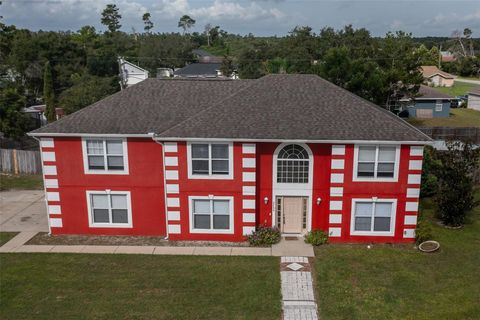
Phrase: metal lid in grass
[429,246]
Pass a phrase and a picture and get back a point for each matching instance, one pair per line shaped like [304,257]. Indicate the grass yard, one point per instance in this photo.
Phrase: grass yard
[398,282]
[25,182]
[460,117]
[458,89]
[5,237]
[78,286]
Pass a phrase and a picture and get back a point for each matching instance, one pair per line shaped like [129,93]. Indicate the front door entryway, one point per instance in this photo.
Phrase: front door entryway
[292,212]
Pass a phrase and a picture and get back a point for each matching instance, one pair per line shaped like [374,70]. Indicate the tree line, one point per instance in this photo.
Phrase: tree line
[75,69]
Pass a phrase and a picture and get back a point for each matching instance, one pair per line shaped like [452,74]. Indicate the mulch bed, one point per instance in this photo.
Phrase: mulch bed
[43,238]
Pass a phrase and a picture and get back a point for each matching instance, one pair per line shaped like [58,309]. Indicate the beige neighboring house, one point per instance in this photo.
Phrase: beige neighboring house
[474,99]
[437,78]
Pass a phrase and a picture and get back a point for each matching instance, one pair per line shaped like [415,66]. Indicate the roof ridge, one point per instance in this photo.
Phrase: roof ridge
[214,105]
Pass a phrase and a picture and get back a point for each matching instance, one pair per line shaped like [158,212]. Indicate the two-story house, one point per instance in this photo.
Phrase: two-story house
[215,159]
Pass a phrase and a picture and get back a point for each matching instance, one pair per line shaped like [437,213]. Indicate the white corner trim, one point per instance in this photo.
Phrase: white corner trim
[338,150]
[174,215]
[409,233]
[53,196]
[411,206]
[248,230]
[174,229]
[171,161]
[416,151]
[249,217]
[170,147]
[336,205]
[336,178]
[410,220]
[414,179]
[248,162]
[334,232]
[334,218]
[336,191]
[48,156]
[54,209]
[173,202]
[171,175]
[338,164]
[415,165]
[248,204]
[50,170]
[172,188]
[248,177]
[51,183]
[56,222]
[47,143]
[248,148]
[248,190]
[413,192]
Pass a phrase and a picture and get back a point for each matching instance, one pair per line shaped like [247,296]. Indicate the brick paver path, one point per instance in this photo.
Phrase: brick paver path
[297,289]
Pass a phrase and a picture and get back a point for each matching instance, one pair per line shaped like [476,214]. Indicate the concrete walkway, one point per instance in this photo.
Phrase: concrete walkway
[23,210]
[298,298]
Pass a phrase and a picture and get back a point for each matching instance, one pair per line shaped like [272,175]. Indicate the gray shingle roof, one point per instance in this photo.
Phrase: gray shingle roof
[425,92]
[198,69]
[286,107]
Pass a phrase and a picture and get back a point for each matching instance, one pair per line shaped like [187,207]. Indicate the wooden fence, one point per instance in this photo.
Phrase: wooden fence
[451,133]
[20,161]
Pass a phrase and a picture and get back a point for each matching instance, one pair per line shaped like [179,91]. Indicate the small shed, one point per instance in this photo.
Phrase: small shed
[430,103]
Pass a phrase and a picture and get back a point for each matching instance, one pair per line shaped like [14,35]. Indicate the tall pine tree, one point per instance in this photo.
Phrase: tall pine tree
[48,94]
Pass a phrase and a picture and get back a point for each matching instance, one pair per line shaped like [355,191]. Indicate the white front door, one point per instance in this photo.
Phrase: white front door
[292,211]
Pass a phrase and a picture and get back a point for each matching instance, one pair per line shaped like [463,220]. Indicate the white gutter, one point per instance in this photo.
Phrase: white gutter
[44,187]
[164,186]
[387,142]
[102,135]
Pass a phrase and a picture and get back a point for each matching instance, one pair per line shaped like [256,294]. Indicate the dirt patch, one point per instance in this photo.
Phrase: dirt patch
[43,238]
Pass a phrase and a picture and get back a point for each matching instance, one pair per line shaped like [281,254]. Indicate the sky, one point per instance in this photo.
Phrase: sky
[260,17]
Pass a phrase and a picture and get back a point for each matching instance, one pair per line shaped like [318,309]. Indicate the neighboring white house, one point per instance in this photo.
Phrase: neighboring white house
[130,74]
[436,77]
[474,99]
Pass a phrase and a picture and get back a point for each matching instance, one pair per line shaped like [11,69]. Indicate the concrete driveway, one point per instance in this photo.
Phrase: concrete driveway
[23,210]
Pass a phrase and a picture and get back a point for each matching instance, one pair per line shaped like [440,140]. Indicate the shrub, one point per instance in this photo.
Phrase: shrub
[264,236]
[423,231]
[316,237]
[455,182]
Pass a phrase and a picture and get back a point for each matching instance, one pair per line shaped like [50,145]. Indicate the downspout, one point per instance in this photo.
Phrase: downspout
[164,184]
[44,188]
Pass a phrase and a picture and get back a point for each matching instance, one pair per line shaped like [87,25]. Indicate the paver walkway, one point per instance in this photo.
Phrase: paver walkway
[297,289]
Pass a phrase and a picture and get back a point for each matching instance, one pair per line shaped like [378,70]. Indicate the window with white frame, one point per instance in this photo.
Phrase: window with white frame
[438,105]
[211,215]
[376,162]
[109,209]
[373,217]
[105,156]
[210,160]
[293,164]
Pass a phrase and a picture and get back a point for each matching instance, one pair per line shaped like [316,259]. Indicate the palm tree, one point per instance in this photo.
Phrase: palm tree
[186,22]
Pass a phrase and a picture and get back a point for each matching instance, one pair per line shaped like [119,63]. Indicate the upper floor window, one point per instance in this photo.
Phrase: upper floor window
[376,163]
[210,160]
[109,209]
[293,164]
[105,156]
[373,217]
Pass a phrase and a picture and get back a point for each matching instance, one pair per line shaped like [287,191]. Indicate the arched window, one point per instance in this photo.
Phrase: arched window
[292,164]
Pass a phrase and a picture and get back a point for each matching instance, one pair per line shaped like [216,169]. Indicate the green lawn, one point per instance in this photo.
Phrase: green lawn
[398,282]
[80,286]
[25,182]
[458,89]
[6,236]
[459,117]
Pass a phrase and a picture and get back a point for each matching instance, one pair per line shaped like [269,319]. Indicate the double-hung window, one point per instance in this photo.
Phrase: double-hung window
[109,209]
[211,215]
[210,160]
[373,217]
[105,156]
[376,163]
